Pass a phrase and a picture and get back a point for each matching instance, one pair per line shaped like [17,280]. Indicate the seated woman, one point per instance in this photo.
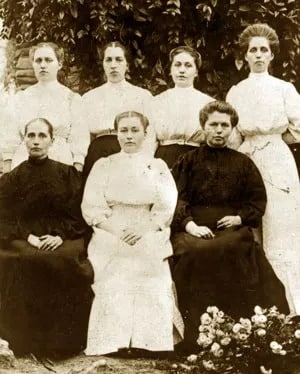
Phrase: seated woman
[221,196]
[45,276]
[129,200]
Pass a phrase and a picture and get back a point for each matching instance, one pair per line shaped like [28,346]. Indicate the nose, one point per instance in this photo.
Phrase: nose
[129,135]
[219,128]
[182,69]
[113,63]
[258,53]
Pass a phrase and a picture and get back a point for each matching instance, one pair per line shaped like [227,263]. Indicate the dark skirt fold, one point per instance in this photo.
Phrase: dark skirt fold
[229,271]
[102,146]
[45,297]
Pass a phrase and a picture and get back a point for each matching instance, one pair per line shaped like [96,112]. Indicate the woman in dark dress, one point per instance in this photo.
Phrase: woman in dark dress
[44,273]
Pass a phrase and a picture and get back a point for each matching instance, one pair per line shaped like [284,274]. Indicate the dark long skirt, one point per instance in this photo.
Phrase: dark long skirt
[229,271]
[45,298]
[102,146]
[171,153]
[295,148]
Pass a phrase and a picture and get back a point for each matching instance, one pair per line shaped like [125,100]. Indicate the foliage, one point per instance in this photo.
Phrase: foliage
[150,28]
[268,343]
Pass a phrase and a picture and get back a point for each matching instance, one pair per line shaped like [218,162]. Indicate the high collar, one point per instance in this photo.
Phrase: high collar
[215,149]
[258,76]
[49,86]
[134,156]
[183,90]
[117,86]
[37,161]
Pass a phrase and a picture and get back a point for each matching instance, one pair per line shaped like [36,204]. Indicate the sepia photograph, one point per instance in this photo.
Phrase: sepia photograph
[149,186]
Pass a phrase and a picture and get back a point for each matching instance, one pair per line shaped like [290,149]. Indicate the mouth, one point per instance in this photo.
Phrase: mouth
[35,149]
[218,138]
[130,143]
[181,77]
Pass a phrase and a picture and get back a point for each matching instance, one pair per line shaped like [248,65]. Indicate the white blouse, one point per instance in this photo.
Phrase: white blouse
[130,180]
[266,105]
[176,114]
[102,104]
[60,106]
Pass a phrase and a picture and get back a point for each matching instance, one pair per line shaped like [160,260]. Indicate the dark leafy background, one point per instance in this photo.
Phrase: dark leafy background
[150,28]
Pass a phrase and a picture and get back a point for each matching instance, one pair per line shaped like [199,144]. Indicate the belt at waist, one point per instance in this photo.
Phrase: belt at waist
[179,142]
[105,132]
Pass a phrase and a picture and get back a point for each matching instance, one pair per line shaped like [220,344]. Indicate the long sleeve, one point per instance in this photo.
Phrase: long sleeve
[292,106]
[253,202]
[95,209]
[181,173]
[235,138]
[12,136]
[8,222]
[166,196]
[79,134]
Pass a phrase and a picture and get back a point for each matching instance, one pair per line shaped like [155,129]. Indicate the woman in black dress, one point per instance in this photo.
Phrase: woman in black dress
[44,273]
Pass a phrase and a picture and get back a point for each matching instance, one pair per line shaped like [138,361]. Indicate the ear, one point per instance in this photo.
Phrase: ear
[59,65]
[272,56]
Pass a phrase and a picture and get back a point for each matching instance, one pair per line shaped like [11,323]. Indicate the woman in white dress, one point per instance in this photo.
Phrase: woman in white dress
[103,103]
[129,201]
[269,110]
[53,101]
[176,110]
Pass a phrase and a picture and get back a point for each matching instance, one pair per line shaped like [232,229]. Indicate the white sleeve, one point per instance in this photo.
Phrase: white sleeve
[150,143]
[163,209]
[95,209]
[12,136]
[292,106]
[235,139]
[79,134]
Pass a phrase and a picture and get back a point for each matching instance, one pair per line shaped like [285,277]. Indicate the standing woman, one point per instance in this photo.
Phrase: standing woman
[176,111]
[268,109]
[53,101]
[103,103]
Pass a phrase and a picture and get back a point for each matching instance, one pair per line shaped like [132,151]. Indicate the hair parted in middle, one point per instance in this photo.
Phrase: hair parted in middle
[221,107]
[58,51]
[191,51]
[42,120]
[131,113]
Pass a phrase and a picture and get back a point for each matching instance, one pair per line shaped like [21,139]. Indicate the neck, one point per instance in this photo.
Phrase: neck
[48,84]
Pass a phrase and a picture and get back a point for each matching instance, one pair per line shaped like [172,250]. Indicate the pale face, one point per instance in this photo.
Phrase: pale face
[217,129]
[183,70]
[259,54]
[38,140]
[114,64]
[45,64]
[131,134]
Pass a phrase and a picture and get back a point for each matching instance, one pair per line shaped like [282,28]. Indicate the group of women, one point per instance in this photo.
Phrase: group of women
[111,135]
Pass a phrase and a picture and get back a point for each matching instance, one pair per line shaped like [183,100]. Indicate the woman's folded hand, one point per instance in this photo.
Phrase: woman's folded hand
[130,237]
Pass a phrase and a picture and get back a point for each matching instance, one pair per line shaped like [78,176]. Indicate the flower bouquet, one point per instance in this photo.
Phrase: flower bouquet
[267,343]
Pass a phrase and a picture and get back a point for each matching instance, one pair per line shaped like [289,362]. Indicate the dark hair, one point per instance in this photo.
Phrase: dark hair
[221,107]
[144,120]
[59,52]
[260,30]
[191,51]
[101,50]
[43,120]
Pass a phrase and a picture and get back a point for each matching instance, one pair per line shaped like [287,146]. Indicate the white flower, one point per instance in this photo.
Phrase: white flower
[220,320]
[212,310]
[225,341]
[205,319]
[236,328]
[215,347]
[258,310]
[274,345]
[208,365]
[243,336]
[245,322]
[218,353]
[282,352]
[220,314]
[261,332]
[204,341]
[297,334]
[220,333]
[192,358]
[263,370]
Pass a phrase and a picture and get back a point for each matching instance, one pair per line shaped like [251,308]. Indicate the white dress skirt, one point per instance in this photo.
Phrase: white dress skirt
[134,302]
[267,108]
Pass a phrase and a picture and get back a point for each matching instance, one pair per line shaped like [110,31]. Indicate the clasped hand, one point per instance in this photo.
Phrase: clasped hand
[45,242]
[206,233]
[130,237]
